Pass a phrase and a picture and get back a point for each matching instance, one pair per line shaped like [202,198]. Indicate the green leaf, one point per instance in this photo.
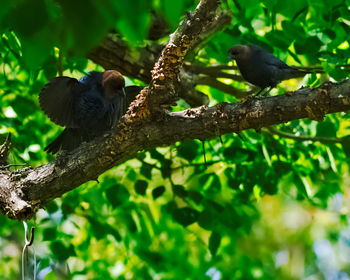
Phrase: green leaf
[28,18]
[34,53]
[50,67]
[179,190]
[173,10]
[214,242]
[117,195]
[326,129]
[86,30]
[51,207]
[302,190]
[278,39]
[157,155]
[49,234]
[210,182]
[157,192]
[141,187]
[185,216]
[60,251]
[188,149]
[146,170]
[130,222]
[166,168]
[133,19]
[346,145]
[208,218]
[311,45]
[114,232]
[195,196]
[98,228]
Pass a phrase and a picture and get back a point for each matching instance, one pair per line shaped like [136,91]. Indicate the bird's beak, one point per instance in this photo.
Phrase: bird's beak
[123,91]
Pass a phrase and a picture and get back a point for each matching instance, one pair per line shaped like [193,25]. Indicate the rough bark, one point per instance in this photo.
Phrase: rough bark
[194,30]
[145,125]
[26,190]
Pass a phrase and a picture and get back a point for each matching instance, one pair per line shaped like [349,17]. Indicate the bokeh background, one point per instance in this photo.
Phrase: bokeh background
[263,206]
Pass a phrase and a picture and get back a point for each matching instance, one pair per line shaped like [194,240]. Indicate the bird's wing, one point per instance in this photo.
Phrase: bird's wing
[57,99]
[68,139]
[92,78]
[274,61]
[262,56]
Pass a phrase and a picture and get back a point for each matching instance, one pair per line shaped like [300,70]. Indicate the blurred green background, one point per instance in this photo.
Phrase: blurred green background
[264,207]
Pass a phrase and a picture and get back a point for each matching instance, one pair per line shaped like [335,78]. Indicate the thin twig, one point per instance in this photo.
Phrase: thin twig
[212,82]
[199,69]
[12,165]
[212,162]
[213,71]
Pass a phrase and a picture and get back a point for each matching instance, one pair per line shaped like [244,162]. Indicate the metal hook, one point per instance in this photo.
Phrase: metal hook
[28,241]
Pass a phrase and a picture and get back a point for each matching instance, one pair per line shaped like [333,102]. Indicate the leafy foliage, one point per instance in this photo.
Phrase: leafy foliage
[263,207]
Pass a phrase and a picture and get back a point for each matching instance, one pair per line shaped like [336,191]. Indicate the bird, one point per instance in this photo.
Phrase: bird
[260,68]
[87,107]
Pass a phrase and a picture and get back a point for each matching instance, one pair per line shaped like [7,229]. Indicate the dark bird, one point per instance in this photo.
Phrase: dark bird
[87,107]
[261,68]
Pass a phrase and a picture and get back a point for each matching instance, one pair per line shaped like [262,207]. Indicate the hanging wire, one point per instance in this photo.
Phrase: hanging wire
[28,241]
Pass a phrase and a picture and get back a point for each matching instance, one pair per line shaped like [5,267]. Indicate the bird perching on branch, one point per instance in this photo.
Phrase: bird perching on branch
[261,68]
[87,107]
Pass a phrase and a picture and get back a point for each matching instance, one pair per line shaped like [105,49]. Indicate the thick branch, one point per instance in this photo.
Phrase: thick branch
[198,26]
[114,53]
[165,74]
[24,191]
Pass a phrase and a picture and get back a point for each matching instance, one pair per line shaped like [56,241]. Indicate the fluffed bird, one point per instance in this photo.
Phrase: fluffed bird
[87,107]
[261,68]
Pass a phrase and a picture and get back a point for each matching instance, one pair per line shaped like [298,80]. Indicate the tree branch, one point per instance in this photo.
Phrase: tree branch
[198,26]
[114,53]
[26,190]
[165,73]
[212,82]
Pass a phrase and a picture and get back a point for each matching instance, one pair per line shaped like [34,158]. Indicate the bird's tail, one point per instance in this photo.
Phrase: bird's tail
[293,72]
[299,71]
[69,139]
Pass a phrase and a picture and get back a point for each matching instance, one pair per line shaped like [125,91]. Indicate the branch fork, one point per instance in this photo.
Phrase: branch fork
[24,191]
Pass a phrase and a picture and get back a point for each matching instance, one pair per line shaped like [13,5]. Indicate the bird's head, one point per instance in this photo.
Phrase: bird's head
[113,83]
[238,52]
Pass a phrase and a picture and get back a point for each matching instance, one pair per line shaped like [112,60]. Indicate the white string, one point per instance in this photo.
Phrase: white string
[34,263]
[24,247]
[28,242]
